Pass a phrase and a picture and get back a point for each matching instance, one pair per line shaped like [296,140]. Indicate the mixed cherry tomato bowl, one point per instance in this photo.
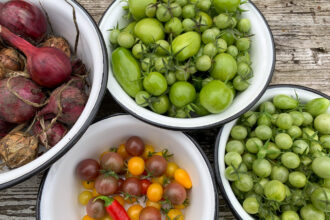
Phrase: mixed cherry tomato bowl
[262,56]
[91,50]
[58,196]
[305,95]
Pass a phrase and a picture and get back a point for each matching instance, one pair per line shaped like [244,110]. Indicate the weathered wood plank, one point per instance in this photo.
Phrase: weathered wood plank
[301,30]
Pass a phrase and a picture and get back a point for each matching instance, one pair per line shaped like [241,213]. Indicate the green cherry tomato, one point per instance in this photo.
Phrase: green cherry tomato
[182,93]
[309,133]
[317,106]
[186,45]
[232,50]
[297,118]
[114,36]
[173,26]
[235,146]
[149,30]
[142,98]
[170,78]
[308,119]
[300,147]
[264,132]
[161,105]
[264,120]
[294,132]
[182,75]
[125,39]
[244,25]
[267,107]
[248,160]
[321,167]
[204,5]
[189,11]
[176,9]
[226,5]
[198,108]
[203,63]
[275,190]
[222,21]
[310,212]
[273,151]
[137,7]
[321,198]
[216,96]
[208,36]
[243,44]
[162,47]
[290,215]
[230,174]
[221,45]
[262,168]
[238,132]
[182,2]
[244,183]
[290,160]
[251,205]
[283,141]
[210,50]
[285,102]
[279,173]
[284,121]
[249,118]
[325,141]
[253,145]
[225,67]
[162,13]
[297,179]
[151,10]
[233,159]
[138,50]
[322,123]
[205,21]
[229,37]
[155,83]
[188,25]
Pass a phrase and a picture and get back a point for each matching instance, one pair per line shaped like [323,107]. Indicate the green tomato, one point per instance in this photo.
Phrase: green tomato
[238,132]
[151,10]
[182,75]
[222,21]
[225,67]
[248,160]
[235,146]
[210,50]
[176,9]
[182,2]
[114,36]
[216,96]
[322,123]
[273,151]
[294,132]
[253,145]
[126,40]
[325,141]
[279,173]
[275,190]
[189,11]
[249,118]
[188,25]
[290,160]
[300,147]
[244,25]
[221,45]
[283,141]
[228,36]
[226,5]
[308,119]
[290,215]
[284,121]
[285,102]
[264,132]
[155,83]
[262,168]
[233,159]
[230,174]
[321,167]
[310,212]
[186,45]
[203,63]
[232,50]
[149,30]
[244,183]
[240,84]
[163,14]
[198,108]
[297,118]
[208,36]
[170,78]
[174,26]
[204,5]
[297,179]
[310,133]
[205,20]
[138,50]
[243,44]
[326,183]
[161,105]
[251,205]
[267,107]
[321,198]
[142,98]
[162,47]
[317,106]
[138,7]
[182,93]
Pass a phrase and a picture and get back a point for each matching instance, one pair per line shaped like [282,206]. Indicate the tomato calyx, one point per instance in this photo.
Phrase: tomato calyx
[166,206]
[108,173]
[129,197]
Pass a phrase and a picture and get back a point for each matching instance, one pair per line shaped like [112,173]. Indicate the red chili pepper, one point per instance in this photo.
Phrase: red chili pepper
[114,209]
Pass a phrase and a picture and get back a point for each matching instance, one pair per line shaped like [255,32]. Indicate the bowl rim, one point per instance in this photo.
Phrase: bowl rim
[216,147]
[217,123]
[199,148]
[89,119]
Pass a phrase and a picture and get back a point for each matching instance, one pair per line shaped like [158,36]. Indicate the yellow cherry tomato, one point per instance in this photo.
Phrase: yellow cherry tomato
[155,192]
[136,166]
[122,151]
[86,217]
[171,168]
[120,199]
[175,214]
[182,206]
[153,204]
[133,212]
[106,217]
[84,197]
[88,184]
[148,149]
[159,180]
[182,177]
[95,193]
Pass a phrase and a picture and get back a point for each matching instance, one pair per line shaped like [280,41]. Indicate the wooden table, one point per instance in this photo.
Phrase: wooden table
[301,30]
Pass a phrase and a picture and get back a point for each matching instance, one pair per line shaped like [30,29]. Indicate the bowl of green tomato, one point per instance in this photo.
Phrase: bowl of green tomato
[185,64]
[273,162]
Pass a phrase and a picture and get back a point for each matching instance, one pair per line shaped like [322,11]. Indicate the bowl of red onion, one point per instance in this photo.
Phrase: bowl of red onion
[53,75]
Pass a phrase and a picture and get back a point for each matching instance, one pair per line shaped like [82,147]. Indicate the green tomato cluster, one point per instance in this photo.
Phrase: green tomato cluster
[193,55]
[278,159]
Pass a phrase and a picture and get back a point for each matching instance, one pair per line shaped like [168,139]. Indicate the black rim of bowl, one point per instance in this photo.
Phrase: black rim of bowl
[219,123]
[88,121]
[209,166]
[216,147]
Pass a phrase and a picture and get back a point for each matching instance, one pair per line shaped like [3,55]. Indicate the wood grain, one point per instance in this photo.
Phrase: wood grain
[301,30]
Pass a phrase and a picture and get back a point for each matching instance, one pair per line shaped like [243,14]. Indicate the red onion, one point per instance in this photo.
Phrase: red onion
[24,19]
[49,67]
[5,127]
[52,134]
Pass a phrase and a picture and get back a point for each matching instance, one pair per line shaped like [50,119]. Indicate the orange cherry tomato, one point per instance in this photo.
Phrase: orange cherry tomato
[155,192]
[120,199]
[182,177]
[171,168]
[134,211]
[156,205]
[148,150]
[175,214]
[95,193]
[182,206]
[88,184]
[122,151]
[86,217]
[136,166]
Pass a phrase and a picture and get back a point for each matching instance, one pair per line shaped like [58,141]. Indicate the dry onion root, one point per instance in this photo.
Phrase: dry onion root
[18,148]
[59,43]
[11,59]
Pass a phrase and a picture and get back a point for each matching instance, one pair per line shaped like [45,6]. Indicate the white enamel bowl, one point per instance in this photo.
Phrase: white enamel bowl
[305,94]
[59,192]
[263,61]
[91,50]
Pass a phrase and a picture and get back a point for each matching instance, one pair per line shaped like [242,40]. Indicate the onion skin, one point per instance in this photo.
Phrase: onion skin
[49,67]
[24,19]
[52,136]
[78,67]
[11,59]
[59,43]
[13,109]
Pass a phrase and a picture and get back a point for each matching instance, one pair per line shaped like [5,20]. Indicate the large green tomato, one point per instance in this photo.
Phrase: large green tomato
[321,166]
[322,123]
[182,93]
[310,212]
[321,199]
[226,5]
[275,190]
[225,67]
[138,7]
[216,96]
[317,106]
[149,30]
[155,83]
[186,45]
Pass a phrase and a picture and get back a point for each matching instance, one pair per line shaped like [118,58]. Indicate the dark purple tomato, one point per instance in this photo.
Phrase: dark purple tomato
[175,193]
[88,169]
[150,213]
[132,186]
[95,209]
[156,165]
[112,161]
[120,186]
[134,146]
[106,185]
